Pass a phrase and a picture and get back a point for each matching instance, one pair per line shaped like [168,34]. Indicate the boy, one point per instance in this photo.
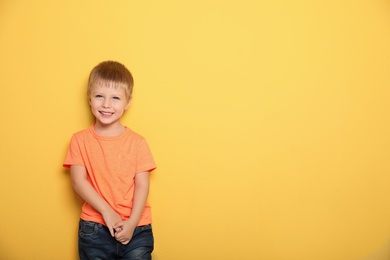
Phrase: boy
[109,168]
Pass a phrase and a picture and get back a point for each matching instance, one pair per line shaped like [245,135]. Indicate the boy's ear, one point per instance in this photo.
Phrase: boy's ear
[128,103]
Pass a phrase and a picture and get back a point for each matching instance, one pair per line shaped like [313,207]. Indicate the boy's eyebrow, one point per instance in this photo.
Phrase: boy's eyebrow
[98,92]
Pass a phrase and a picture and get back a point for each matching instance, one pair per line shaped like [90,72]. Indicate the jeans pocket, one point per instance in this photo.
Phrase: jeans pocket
[88,228]
[143,236]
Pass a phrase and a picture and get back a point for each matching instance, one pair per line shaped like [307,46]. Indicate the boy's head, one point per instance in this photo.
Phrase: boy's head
[111,74]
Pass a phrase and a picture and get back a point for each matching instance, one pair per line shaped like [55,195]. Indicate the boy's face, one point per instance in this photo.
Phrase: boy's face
[108,104]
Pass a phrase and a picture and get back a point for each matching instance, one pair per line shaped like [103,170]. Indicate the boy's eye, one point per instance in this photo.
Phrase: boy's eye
[98,96]
[117,98]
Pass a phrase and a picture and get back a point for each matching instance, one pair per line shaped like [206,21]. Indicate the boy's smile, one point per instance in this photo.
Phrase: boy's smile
[108,103]
[105,114]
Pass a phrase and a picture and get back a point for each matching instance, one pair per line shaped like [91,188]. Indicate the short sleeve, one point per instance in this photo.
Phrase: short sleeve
[73,156]
[145,161]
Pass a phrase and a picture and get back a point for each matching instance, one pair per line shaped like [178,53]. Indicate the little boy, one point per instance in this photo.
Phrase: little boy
[109,168]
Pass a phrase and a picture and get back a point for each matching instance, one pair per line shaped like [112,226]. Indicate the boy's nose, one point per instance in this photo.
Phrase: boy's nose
[106,104]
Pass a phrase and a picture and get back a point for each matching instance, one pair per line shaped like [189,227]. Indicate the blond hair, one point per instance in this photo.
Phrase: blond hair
[111,74]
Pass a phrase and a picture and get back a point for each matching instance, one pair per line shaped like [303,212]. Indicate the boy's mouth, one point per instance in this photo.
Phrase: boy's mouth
[106,113]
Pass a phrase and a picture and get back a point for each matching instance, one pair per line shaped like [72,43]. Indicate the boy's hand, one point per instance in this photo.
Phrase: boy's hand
[124,231]
[111,218]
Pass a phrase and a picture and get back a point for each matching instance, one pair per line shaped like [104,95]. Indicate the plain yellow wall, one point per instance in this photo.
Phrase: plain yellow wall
[269,121]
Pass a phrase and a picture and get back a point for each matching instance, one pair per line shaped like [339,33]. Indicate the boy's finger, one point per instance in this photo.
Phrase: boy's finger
[119,224]
[111,231]
[118,229]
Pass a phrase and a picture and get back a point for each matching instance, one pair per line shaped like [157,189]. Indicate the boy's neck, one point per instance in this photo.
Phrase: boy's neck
[108,130]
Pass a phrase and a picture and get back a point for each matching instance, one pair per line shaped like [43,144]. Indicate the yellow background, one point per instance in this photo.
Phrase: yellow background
[269,122]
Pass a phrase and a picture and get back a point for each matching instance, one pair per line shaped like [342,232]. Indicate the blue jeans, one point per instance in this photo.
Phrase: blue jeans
[96,243]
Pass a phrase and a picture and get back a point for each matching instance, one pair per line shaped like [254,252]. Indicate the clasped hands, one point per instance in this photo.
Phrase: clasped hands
[122,230]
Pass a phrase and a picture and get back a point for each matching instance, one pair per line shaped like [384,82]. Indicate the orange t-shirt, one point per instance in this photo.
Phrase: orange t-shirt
[111,164]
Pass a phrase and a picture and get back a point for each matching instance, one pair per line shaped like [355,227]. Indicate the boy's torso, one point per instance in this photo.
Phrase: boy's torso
[111,164]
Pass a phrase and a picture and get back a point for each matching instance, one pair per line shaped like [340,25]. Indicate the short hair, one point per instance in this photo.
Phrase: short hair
[111,74]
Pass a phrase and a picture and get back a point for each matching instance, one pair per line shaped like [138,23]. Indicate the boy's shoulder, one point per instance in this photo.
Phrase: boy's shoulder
[133,137]
[83,131]
[132,133]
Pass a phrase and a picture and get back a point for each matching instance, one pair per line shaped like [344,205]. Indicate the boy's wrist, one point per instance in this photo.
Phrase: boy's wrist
[132,222]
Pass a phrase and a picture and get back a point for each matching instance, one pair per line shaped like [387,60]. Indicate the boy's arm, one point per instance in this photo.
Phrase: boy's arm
[84,188]
[126,228]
